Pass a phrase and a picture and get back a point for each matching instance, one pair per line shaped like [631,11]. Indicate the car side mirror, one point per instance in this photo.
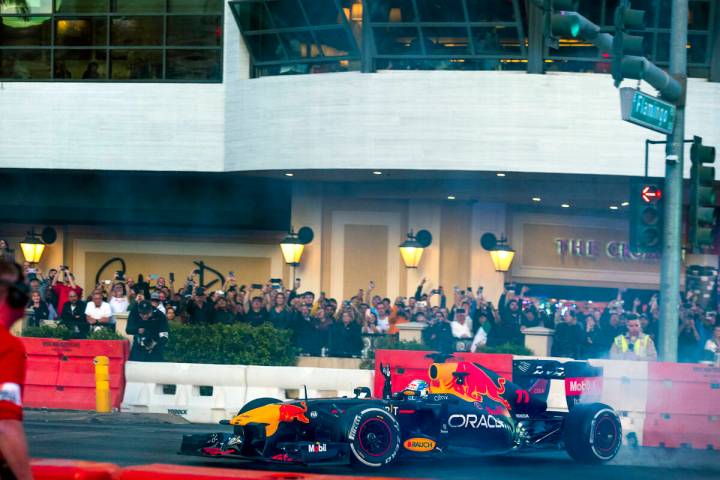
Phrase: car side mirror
[362,392]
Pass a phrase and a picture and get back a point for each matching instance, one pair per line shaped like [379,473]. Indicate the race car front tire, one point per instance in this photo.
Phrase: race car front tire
[373,435]
[592,433]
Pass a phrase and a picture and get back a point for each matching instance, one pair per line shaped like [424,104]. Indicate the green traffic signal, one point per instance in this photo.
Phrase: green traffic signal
[565,24]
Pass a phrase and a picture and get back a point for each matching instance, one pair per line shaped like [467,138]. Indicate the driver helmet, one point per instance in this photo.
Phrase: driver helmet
[417,388]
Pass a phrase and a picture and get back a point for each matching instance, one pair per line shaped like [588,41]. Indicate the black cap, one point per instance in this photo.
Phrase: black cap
[144,307]
[200,291]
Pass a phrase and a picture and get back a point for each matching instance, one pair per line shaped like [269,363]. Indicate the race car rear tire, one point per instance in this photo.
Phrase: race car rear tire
[373,435]
[592,433]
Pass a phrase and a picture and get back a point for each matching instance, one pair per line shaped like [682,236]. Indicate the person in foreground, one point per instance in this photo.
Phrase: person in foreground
[14,456]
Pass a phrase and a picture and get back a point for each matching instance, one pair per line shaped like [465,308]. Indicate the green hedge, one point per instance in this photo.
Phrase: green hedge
[105,334]
[237,344]
[46,331]
[510,348]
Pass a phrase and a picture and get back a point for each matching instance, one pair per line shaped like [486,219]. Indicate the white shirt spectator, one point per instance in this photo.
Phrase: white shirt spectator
[460,330]
[97,313]
[480,339]
[383,324]
[119,304]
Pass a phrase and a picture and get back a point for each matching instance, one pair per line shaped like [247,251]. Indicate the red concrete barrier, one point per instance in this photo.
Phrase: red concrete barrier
[683,406]
[58,469]
[61,374]
[408,365]
[170,472]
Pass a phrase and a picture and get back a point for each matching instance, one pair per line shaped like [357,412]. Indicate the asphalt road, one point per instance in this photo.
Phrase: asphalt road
[135,440]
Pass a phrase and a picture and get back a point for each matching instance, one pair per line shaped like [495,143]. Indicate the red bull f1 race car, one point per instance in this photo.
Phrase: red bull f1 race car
[463,404]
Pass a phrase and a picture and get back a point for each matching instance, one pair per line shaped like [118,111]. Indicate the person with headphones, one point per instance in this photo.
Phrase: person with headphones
[14,456]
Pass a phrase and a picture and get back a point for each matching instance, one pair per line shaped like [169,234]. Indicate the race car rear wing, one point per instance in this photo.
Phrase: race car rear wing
[551,378]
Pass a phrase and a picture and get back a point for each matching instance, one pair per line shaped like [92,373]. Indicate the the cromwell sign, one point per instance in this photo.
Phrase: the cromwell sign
[614,249]
[575,249]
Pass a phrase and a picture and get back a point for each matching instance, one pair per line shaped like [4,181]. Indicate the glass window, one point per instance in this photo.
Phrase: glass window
[81,31]
[286,13]
[699,15]
[194,65]
[397,40]
[196,6]
[16,31]
[136,64]
[80,64]
[592,10]
[441,10]
[446,41]
[81,6]
[665,13]
[252,16]
[192,30]
[491,10]
[496,40]
[138,6]
[697,49]
[322,12]
[265,47]
[25,64]
[334,43]
[136,31]
[299,45]
[662,49]
[393,11]
[34,7]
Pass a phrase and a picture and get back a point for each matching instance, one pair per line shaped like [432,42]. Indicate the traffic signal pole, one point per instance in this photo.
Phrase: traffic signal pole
[672,233]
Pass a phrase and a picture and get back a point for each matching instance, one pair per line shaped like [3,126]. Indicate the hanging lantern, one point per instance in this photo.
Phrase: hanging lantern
[32,247]
[502,256]
[411,251]
[292,249]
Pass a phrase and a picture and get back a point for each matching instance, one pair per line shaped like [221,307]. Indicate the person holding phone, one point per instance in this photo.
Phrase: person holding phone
[61,288]
[119,302]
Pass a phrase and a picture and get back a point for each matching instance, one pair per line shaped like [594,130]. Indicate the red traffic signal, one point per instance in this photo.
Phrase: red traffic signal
[650,194]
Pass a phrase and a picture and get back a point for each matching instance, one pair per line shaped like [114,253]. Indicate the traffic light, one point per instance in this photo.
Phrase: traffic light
[702,194]
[628,54]
[562,20]
[646,217]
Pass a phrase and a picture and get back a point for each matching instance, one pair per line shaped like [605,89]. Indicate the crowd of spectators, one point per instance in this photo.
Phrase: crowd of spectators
[460,320]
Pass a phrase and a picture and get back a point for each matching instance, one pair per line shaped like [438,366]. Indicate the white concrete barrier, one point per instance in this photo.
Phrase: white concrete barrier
[204,393]
[625,388]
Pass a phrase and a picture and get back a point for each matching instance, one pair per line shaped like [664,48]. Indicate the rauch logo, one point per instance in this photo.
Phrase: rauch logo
[419,444]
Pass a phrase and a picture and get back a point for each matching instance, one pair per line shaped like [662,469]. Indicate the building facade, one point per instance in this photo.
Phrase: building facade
[438,97]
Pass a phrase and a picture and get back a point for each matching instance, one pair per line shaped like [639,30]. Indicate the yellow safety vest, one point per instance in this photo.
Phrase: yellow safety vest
[640,347]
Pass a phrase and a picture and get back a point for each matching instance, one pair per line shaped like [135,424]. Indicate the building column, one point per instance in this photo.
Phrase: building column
[536,38]
[307,212]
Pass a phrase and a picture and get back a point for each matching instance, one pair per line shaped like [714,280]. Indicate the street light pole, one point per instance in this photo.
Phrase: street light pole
[672,234]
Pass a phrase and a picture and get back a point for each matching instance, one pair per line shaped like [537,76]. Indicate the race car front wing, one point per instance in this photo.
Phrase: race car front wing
[223,445]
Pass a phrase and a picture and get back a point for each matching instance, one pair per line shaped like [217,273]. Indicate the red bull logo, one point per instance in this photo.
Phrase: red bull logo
[291,413]
[467,381]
